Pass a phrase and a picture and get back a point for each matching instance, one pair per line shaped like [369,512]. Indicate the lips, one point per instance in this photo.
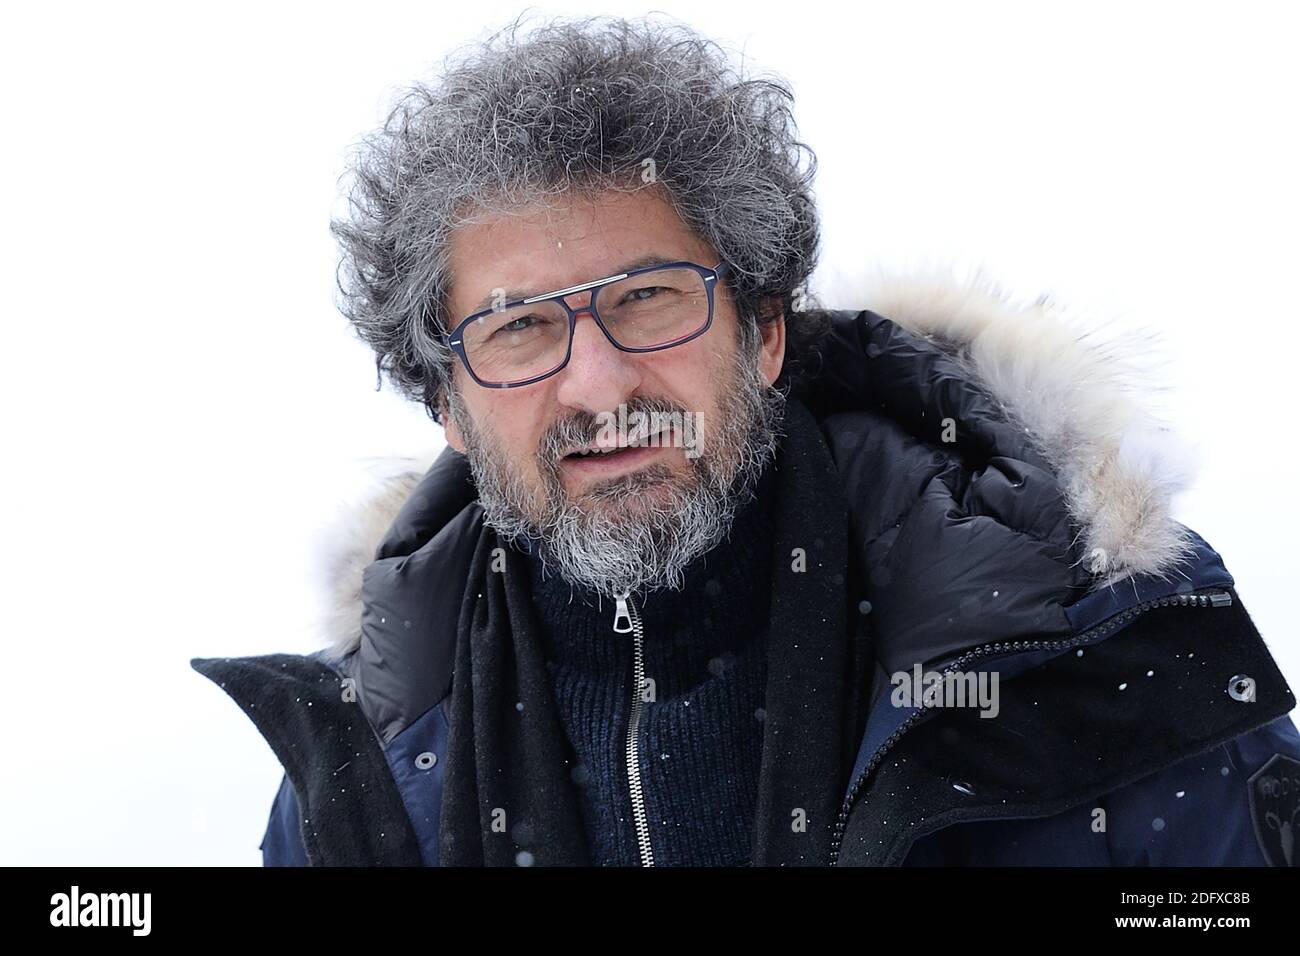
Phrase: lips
[614,451]
[599,464]
[593,452]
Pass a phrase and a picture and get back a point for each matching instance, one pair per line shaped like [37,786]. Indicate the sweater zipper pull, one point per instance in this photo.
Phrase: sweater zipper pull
[621,615]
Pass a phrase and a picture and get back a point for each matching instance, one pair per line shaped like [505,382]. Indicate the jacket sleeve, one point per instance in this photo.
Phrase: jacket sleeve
[1211,809]
[282,843]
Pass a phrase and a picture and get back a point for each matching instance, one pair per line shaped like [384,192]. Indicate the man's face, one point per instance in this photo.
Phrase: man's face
[519,440]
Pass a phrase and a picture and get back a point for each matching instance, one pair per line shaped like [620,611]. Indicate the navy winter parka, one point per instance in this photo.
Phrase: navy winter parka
[1009,515]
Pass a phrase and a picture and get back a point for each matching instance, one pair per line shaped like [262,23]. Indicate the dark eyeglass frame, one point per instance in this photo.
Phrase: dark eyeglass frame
[456,338]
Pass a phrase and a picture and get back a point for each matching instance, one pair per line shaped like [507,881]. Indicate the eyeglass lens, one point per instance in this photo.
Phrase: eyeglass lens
[643,311]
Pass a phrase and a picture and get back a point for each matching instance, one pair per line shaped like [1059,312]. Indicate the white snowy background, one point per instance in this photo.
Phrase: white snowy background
[183,406]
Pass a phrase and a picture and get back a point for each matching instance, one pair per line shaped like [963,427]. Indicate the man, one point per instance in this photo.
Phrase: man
[709,576]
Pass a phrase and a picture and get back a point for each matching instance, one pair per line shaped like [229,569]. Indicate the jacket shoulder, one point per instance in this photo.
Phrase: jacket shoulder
[1233,805]
[337,780]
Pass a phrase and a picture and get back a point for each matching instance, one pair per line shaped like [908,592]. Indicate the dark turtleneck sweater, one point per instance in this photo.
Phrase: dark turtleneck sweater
[701,737]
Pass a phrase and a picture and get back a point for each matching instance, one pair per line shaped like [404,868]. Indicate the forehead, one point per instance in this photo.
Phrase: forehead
[542,247]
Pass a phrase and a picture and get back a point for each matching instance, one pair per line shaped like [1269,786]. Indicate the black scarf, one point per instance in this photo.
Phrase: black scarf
[508,798]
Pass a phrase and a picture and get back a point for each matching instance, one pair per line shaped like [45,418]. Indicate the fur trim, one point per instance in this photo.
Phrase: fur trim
[346,544]
[1072,390]
[1057,376]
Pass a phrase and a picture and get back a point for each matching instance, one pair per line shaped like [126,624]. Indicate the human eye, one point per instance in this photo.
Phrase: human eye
[521,323]
[644,293]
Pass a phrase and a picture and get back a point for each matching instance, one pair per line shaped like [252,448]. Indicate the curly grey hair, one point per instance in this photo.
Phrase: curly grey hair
[579,104]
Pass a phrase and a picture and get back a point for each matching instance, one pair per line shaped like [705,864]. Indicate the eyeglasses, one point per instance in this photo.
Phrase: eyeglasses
[643,310]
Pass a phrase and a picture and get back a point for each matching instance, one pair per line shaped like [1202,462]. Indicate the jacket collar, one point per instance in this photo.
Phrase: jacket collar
[1069,387]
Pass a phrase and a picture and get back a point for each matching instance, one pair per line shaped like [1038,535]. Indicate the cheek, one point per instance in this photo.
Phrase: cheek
[519,423]
[692,376]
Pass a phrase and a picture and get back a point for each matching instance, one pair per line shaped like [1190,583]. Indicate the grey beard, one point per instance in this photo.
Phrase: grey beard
[641,531]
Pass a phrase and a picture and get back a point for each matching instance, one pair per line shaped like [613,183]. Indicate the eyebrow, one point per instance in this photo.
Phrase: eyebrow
[513,295]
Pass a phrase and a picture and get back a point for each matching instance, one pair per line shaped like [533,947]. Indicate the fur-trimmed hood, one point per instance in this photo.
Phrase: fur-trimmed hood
[1077,396]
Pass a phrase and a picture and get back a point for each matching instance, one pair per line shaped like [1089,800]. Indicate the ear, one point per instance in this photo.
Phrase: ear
[772,357]
[454,438]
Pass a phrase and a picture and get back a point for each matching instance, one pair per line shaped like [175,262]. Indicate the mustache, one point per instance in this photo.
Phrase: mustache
[582,428]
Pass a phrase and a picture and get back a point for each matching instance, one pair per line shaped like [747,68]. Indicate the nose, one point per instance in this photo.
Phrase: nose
[598,377]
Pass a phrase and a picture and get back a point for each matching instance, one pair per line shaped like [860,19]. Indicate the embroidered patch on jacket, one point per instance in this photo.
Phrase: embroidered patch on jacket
[1275,809]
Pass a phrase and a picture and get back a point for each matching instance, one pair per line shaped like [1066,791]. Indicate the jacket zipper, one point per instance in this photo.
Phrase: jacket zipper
[628,620]
[1215,597]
